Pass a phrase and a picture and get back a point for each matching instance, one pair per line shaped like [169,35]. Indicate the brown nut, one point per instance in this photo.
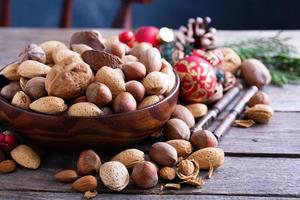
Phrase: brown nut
[32,52]
[124,102]
[260,113]
[259,98]
[156,83]
[184,114]
[144,175]
[148,101]
[11,72]
[168,70]
[187,169]
[80,99]
[26,157]
[88,162]
[117,49]
[139,48]
[21,100]
[106,111]
[69,78]
[183,147]
[129,58]
[197,109]
[85,183]
[204,138]
[231,61]
[66,176]
[208,157]
[136,89]
[80,48]
[9,91]
[163,154]
[255,73]
[177,129]
[151,58]
[49,105]
[112,79]
[84,109]
[89,38]
[35,87]
[134,70]
[129,157]
[49,46]
[32,68]
[167,173]
[59,55]
[7,166]
[98,94]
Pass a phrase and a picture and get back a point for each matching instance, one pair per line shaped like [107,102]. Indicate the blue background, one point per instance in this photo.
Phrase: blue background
[226,14]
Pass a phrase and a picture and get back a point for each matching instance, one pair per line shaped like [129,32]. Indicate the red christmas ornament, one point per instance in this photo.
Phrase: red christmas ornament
[7,140]
[197,79]
[147,34]
[126,37]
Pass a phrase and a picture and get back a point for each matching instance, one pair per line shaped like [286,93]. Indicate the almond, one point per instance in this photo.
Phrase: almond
[31,68]
[148,101]
[184,114]
[11,72]
[26,157]
[156,83]
[260,113]
[7,166]
[88,162]
[151,58]
[113,80]
[85,183]
[49,105]
[208,157]
[197,109]
[183,147]
[21,100]
[66,176]
[61,54]
[129,157]
[84,109]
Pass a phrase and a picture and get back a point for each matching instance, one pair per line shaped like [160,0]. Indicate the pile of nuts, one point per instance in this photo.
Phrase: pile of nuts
[95,77]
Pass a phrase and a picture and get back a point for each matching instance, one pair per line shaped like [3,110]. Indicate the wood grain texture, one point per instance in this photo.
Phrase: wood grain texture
[16,195]
[238,176]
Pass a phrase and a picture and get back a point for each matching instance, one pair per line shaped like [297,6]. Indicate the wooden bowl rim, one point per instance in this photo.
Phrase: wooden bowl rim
[34,113]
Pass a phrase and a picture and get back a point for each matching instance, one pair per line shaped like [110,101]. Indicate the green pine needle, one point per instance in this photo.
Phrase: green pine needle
[275,53]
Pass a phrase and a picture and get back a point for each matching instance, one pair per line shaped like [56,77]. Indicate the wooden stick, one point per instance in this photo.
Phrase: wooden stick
[205,121]
[238,108]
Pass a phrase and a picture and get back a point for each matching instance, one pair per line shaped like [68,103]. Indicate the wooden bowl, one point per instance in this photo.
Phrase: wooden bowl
[111,131]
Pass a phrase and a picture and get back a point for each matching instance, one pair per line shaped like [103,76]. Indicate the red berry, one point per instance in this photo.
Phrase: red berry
[7,140]
[147,34]
[126,36]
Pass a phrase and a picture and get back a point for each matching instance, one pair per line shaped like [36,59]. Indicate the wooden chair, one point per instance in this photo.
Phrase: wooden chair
[122,20]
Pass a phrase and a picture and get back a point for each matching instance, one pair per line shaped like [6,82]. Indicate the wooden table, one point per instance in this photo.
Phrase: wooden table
[262,162]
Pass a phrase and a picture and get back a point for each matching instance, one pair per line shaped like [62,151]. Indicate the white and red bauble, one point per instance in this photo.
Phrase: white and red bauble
[197,79]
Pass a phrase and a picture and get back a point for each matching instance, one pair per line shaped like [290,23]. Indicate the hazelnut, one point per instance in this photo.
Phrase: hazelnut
[136,89]
[163,154]
[177,129]
[156,83]
[259,98]
[204,138]
[124,102]
[106,111]
[129,58]
[9,91]
[134,70]
[144,175]
[98,94]
[184,114]
[88,162]
[167,173]
[117,49]
[32,52]
[35,87]
[139,48]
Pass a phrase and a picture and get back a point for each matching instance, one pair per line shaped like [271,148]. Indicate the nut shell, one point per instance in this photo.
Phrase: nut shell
[49,105]
[136,89]
[69,78]
[89,38]
[260,113]
[144,175]
[11,72]
[156,83]
[151,58]
[112,79]
[164,154]
[21,100]
[124,102]
[32,52]
[183,147]
[88,162]
[187,169]
[35,87]
[210,155]
[84,109]
[49,46]
[98,94]
[26,156]
[204,138]
[177,129]
[31,69]
[114,175]
[129,157]
[181,112]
